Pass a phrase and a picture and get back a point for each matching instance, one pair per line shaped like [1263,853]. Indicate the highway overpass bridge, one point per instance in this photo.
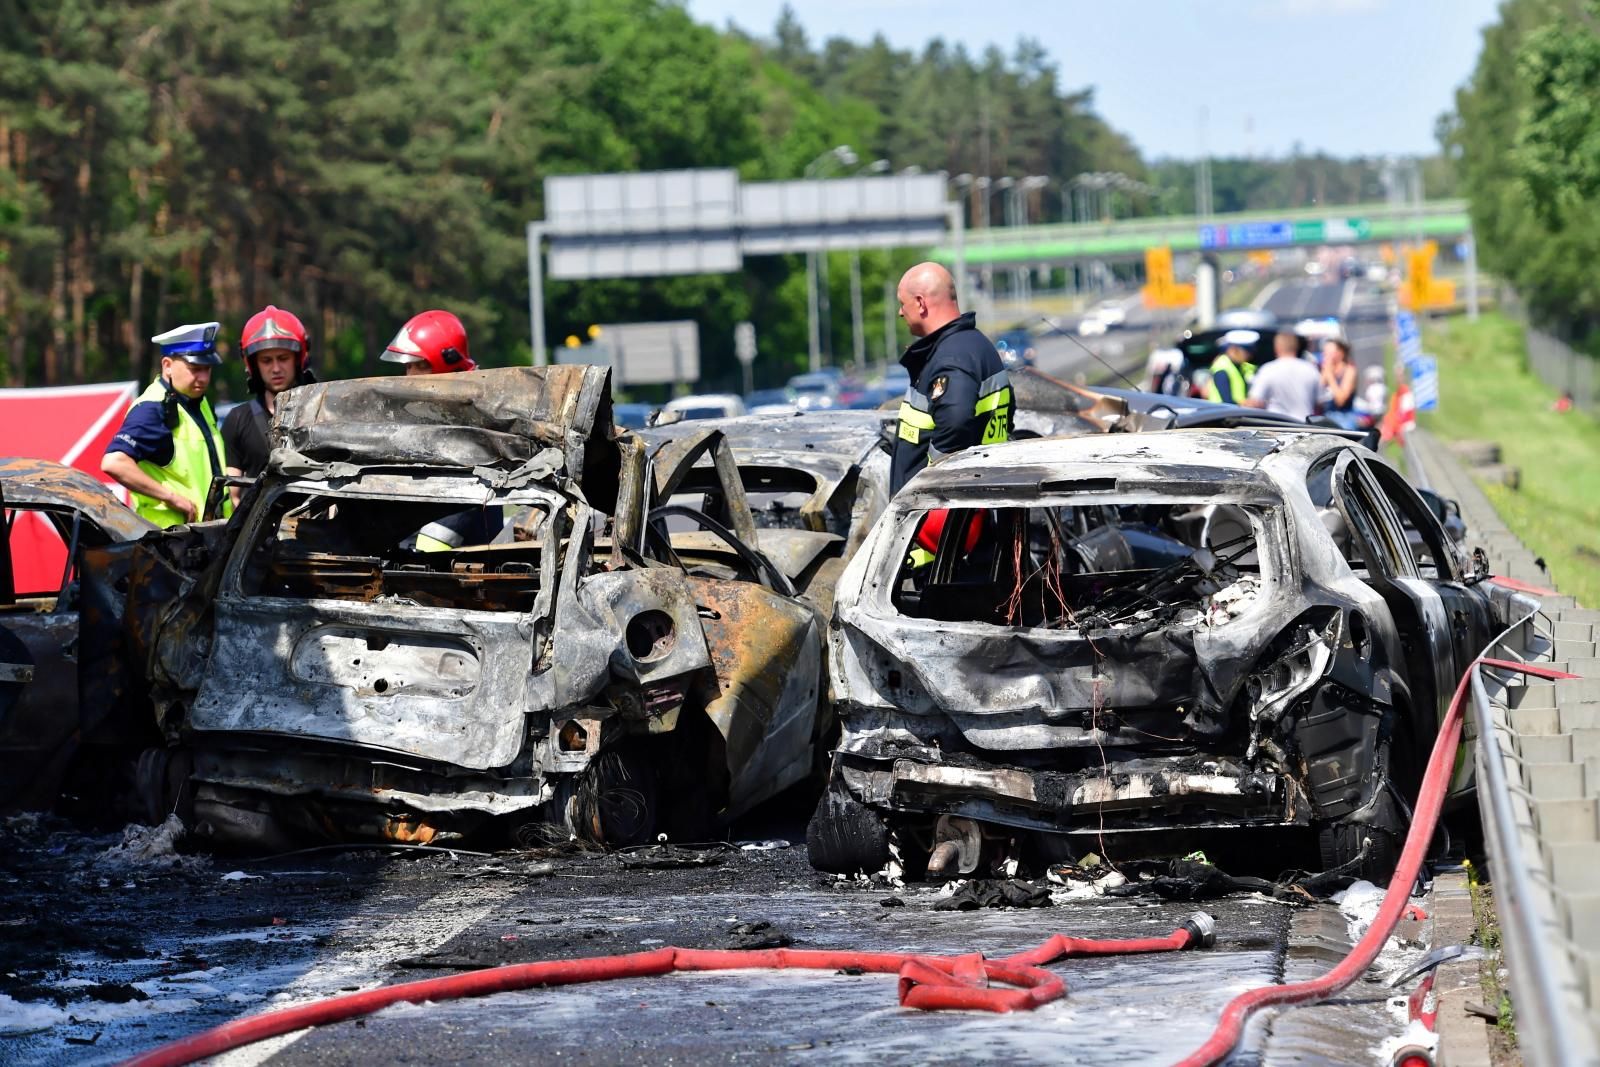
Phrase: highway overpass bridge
[1243,231]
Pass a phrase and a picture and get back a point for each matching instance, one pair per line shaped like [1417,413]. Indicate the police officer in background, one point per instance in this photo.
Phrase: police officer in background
[169,449]
[960,394]
[1232,371]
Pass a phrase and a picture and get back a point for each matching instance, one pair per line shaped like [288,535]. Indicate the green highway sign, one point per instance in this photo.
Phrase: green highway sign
[1320,231]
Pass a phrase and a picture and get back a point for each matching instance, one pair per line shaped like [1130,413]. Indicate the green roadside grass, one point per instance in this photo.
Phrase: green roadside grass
[1487,393]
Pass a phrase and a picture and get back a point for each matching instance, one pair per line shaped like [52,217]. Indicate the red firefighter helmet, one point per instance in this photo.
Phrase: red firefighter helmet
[436,338]
[273,327]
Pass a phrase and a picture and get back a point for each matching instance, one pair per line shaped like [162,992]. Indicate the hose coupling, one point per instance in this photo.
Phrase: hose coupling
[1202,930]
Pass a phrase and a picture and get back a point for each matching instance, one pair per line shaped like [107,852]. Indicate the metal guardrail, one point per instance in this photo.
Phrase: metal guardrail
[1552,1027]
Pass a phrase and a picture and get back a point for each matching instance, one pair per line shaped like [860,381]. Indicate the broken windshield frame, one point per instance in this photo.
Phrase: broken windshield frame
[1122,560]
[431,494]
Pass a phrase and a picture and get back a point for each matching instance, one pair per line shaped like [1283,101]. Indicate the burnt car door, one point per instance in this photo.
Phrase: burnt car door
[766,644]
[1418,610]
[16,667]
[1471,621]
[42,723]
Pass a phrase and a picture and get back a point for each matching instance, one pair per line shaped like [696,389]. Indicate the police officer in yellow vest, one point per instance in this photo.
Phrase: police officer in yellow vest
[960,395]
[168,448]
[1232,370]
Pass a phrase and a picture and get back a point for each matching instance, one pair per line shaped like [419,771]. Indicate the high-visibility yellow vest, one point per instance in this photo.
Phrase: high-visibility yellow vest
[1238,378]
[994,404]
[189,473]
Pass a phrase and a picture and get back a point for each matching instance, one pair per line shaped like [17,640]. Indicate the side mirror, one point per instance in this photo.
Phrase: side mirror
[1480,567]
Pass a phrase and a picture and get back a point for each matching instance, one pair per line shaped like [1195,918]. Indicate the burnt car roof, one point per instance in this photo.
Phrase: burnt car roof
[1202,458]
[499,418]
[485,417]
[835,431]
[42,483]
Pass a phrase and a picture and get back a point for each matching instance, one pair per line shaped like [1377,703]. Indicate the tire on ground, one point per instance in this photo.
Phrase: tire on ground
[845,836]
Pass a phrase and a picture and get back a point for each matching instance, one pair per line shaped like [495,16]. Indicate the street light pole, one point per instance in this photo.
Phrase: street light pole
[813,344]
[817,308]
[858,331]
[858,337]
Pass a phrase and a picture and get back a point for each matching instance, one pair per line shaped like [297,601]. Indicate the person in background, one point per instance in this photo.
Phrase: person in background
[1339,379]
[1374,398]
[960,393]
[433,342]
[1288,385]
[1167,373]
[168,449]
[1232,371]
[275,353]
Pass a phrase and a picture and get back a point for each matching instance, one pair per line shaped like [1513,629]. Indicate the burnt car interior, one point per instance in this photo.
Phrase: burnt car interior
[1082,567]
[317,546]
[778,497]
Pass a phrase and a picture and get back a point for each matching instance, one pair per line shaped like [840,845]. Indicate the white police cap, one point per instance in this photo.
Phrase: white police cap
[192,343]
[1242,338]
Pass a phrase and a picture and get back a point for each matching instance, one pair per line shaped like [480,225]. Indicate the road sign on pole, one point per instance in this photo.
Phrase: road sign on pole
[744,349]
[1424,371]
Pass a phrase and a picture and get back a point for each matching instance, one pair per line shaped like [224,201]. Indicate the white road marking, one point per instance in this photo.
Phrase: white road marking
[1267,293]
[424,927]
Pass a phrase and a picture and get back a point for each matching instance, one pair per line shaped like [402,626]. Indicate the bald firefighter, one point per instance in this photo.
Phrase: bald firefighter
[960,394]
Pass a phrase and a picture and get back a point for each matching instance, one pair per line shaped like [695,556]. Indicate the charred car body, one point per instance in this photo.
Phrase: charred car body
[1153,632]
[315,670]
[45,729]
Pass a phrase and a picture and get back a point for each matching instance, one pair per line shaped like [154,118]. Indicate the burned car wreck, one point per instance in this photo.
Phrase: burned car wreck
[814,482]
[1143,637]
[440,612]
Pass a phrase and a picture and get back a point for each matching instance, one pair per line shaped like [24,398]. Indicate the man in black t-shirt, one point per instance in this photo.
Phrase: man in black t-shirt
[275,352]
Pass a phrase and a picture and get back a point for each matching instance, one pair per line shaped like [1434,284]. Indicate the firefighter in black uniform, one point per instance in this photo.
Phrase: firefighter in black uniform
[960,395]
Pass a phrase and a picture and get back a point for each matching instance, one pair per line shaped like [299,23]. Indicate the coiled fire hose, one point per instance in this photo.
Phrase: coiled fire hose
[931,983]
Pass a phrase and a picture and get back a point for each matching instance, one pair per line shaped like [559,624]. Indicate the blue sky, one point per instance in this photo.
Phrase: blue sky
[1348,76]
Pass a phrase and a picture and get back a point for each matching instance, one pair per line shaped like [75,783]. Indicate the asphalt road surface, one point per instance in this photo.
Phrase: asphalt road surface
[102,960]
[1362,309]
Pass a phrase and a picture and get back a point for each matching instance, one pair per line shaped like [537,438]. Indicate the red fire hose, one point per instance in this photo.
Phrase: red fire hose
[1423,819]
[927,982]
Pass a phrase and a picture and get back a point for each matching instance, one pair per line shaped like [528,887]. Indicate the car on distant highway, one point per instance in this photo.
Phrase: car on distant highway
[1089,326]
[632,416]
[1317,330]
[896,380]
[817,389]
[1258,319]
[704,406]
[1145,643]
[769,402]
[1016,348]
[1111,312]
